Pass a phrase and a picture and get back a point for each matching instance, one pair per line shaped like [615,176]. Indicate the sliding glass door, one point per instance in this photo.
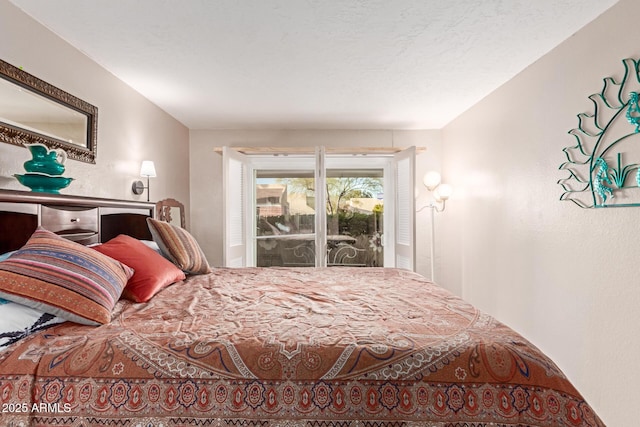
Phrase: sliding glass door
[316,211]
[285,218]
[354,215]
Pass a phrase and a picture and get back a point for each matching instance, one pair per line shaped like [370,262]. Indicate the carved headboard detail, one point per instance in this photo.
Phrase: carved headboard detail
[172,211]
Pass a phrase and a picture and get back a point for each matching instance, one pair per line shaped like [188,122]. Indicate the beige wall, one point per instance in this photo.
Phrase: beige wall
[130,128]
[565,277]
[206,175]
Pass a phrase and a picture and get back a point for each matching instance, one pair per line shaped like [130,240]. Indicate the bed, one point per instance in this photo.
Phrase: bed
[340,346]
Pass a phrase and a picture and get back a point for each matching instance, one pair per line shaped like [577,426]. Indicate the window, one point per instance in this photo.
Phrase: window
[281,209]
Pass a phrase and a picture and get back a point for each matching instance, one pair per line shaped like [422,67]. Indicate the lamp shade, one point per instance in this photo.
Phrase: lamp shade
[148,169]
[443,192]
[431,180]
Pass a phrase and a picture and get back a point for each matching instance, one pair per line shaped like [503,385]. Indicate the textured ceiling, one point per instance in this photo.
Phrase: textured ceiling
[313,64]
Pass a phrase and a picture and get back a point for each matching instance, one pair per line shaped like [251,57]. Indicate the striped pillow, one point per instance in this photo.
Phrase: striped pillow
[64,278]
[179,246]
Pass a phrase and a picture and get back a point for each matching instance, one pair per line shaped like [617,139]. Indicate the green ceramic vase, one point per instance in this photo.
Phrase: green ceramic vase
[45,160]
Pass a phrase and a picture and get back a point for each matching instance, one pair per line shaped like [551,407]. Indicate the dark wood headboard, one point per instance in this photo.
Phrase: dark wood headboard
[82,219]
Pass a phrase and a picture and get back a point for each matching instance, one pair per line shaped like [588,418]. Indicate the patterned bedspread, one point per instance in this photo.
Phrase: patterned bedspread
[276,347]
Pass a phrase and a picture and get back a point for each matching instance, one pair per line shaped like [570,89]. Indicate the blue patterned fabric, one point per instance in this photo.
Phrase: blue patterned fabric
[18,321]
[6,255]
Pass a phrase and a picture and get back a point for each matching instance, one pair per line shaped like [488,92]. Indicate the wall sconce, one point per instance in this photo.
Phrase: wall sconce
[147,169]
[441,193]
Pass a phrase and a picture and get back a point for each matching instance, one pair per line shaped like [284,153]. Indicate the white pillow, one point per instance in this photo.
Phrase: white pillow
[18,321]
[153,245]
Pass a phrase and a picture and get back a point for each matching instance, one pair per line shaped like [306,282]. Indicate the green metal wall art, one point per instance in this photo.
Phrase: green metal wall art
[605,161]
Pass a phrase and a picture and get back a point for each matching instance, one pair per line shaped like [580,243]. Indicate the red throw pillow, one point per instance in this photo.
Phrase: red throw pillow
[153,272]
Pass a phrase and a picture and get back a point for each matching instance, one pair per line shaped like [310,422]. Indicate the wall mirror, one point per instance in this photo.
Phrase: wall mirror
[33,111]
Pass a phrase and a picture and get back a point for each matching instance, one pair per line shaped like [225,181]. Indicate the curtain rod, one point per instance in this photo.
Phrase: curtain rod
[328,150]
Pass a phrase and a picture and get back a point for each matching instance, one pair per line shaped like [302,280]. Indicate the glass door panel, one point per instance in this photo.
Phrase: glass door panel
[285,218]
[271,203]
[355,217]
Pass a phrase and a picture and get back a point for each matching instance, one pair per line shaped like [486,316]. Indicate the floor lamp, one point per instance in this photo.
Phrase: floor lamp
[441,192]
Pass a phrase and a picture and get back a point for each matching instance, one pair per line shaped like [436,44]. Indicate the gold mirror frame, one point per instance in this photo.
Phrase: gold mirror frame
[16,135]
